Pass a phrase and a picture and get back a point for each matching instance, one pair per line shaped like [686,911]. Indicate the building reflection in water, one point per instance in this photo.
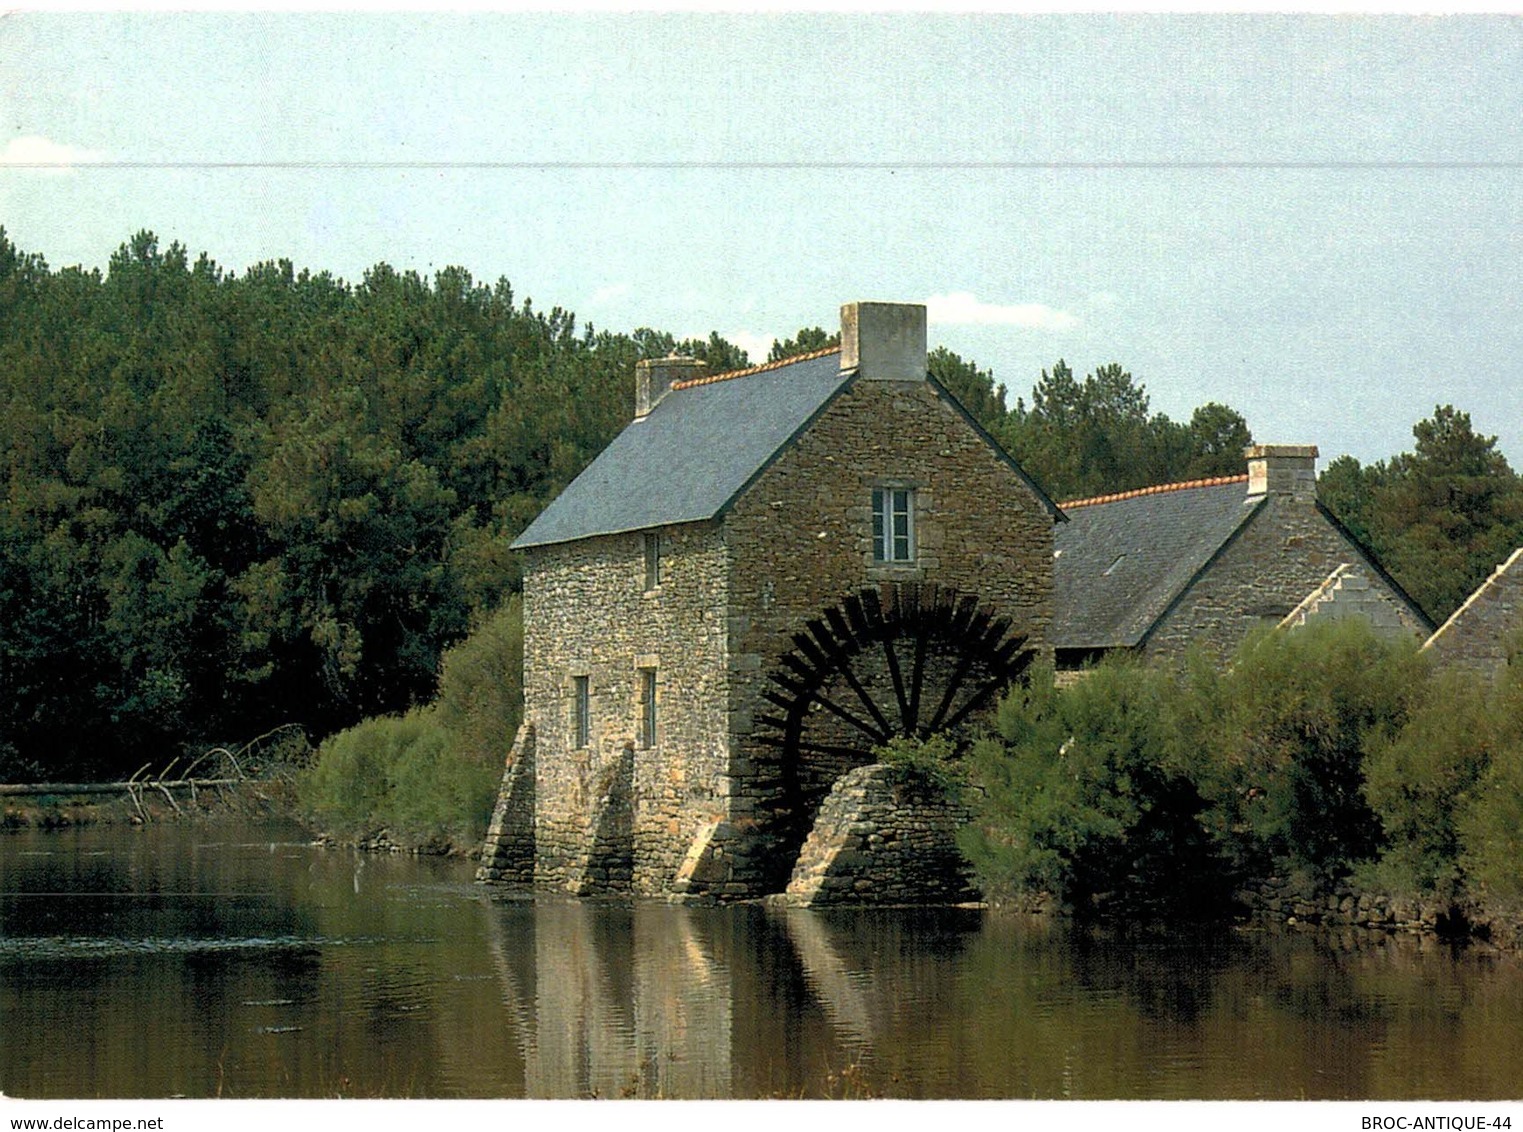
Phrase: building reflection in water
[652,1000]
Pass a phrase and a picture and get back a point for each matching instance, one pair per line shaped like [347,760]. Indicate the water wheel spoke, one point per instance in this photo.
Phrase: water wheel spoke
[841,629]
[835,709]
[814,748]
[896,677]
[954,684]
[980,697]
[917,679]
[867,701]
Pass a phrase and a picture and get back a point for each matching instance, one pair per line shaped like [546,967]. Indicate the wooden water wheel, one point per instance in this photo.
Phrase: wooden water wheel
[903,659]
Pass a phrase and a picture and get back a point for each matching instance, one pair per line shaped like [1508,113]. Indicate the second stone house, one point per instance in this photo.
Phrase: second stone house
[766,575]
[1203,564]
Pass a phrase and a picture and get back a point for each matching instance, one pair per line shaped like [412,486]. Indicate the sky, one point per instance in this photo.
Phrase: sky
[1317,220]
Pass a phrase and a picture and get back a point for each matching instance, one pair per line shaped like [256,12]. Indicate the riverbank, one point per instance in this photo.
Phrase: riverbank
[250,800]
[1300,902]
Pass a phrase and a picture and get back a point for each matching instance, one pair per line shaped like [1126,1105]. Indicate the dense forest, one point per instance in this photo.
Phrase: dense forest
[233,501]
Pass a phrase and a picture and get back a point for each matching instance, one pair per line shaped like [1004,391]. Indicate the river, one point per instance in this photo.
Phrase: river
[201,961]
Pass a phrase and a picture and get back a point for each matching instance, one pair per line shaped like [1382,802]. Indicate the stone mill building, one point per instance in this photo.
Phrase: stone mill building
[764,576]
[772,572]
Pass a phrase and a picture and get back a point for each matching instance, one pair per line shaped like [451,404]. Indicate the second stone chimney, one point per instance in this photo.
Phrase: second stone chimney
[884,341]
[1282,469]
[654,377]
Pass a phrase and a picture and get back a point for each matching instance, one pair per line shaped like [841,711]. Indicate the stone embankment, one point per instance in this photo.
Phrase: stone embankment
[1300,901]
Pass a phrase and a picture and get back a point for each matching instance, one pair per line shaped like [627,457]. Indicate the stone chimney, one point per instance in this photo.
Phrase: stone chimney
[884,341]
[1282,469]
[654,377]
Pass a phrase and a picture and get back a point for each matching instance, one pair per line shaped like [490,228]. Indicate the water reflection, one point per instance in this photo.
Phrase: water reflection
[165,962]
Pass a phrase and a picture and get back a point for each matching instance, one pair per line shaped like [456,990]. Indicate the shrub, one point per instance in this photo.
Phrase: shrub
[1085,794]
[1422,781]
[429,777]
[401,774]
[1286,728]
[1490,825]
[931,762]
[481,697]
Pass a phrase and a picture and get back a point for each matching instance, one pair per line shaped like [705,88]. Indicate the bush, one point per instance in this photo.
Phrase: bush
[1422,781]
[1490,824]
[481,686]
[429,778]
[401,775]
[1283,733]
[926,763]
[1086,794]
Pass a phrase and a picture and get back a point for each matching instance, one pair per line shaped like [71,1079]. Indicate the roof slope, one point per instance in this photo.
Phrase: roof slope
[694,452]
[1121,560]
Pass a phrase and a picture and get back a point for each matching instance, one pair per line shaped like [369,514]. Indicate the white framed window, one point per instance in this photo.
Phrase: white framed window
[893,524]
[652,540]
[648,732]
[581,711]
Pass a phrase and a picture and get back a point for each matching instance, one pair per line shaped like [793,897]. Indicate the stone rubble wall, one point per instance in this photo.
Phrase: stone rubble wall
[587,612]
[800,541]
[607,863]
[1348,593]
[1285,552]
[1303,902]
[1483,633]
[507,854]
[881,840]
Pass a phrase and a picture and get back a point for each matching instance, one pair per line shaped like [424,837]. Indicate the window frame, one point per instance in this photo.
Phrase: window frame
[886,516]
[581,712]
[650,543]
[649,702]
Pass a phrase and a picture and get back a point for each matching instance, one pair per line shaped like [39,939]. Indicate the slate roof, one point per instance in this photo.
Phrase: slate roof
[1121,560]
[693,453]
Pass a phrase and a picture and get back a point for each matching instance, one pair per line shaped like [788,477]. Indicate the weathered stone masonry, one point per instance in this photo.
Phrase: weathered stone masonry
[701,811]
[587,613]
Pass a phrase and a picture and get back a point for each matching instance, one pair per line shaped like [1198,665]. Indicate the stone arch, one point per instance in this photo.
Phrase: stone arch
[900,659]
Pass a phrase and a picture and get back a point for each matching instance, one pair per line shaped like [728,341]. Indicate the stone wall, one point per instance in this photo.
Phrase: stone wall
[1285,552]
[1485,631]
[507,854]
[881,840]
[1348,593]
[801,540]
[587,613]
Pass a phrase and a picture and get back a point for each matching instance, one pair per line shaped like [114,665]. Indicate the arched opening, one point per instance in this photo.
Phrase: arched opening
[900,659]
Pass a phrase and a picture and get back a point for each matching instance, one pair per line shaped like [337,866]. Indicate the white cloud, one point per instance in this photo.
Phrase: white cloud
[961,308]
[608,294]
[49,157]
[756,345]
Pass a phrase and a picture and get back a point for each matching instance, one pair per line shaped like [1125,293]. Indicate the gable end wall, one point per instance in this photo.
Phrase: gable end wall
[1286,551]
[800,540]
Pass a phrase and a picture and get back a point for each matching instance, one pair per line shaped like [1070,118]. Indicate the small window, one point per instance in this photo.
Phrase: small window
[581,711]
[893,524]
[652,559]
[647,707]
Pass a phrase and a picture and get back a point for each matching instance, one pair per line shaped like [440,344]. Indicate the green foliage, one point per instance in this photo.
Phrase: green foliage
[232,501]
[481,687]
[806,341]
[429,777]
[1087,793]
[1288,725]
[1422,780]
[930,762]
[1085,438]
[1440,517]
[1320,751]
[402,775]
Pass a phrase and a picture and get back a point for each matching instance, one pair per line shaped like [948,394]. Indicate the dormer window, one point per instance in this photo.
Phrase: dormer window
[893,525]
